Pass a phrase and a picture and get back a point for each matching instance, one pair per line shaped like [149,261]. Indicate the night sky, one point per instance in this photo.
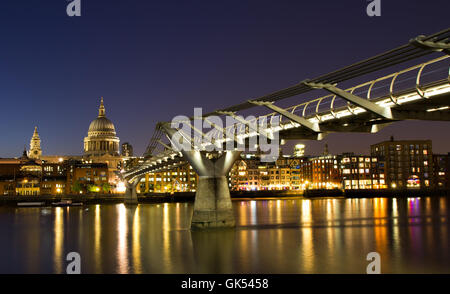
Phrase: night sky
[152,60]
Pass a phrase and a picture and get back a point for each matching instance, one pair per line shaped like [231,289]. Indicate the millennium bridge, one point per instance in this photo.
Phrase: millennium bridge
[410,82]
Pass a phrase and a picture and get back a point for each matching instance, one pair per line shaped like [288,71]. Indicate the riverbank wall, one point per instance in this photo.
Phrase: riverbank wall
[235,195]
[392,193]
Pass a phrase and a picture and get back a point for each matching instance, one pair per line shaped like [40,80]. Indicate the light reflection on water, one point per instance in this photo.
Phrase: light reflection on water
[272,236]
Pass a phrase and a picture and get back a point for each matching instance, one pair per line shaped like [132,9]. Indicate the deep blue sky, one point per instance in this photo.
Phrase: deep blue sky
[152,60]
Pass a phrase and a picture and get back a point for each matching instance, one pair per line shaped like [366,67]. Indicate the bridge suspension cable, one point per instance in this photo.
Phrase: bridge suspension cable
[154,141]
[387,59]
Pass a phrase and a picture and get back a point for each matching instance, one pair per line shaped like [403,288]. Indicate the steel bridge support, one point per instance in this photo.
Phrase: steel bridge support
[212,206]
[314,127]
[131,193]
[384,112]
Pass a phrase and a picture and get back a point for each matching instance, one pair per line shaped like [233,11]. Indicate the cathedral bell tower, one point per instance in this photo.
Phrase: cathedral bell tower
[35,146]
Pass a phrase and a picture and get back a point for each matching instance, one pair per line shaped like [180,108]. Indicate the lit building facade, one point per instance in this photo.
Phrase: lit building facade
[28,186]
[11,174]
[54,178]
[29,177]
[7,186]
[287,173]
[322,172]
[248,175]
[362,172]
[53,185]
[28,182]
[407,164]
[179,179]
[441,171]
[87,178]
[127,149]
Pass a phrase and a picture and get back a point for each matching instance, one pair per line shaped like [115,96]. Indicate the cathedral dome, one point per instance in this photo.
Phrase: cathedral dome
[102,125]
[101,137]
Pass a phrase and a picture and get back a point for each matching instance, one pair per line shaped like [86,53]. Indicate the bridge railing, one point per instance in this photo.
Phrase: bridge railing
[373,90]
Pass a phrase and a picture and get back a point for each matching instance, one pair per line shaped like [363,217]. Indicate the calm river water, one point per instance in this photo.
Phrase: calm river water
[272,236]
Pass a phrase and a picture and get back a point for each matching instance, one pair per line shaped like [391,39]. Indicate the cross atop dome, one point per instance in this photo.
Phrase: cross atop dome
[101,109]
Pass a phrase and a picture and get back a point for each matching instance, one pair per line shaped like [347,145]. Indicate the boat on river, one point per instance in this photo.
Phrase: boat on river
[64,203]
[30,204]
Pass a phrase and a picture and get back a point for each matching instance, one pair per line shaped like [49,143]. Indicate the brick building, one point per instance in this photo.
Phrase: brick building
[407,163]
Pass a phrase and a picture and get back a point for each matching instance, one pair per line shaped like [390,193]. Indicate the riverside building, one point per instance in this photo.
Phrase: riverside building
[408,164]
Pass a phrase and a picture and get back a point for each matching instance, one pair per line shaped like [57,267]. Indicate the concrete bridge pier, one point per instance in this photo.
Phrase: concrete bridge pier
[212,207]
[130,193]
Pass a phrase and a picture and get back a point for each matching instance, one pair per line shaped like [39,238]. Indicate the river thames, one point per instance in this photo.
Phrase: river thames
[292,235]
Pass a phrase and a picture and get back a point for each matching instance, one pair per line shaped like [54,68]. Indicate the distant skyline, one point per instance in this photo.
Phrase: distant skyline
[153,60]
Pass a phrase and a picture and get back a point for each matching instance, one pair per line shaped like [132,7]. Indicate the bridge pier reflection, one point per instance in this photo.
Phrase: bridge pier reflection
[214,251]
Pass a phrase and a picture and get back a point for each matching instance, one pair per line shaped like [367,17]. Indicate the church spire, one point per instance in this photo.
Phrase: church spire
[35,145]
[35,134]
[101,109]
